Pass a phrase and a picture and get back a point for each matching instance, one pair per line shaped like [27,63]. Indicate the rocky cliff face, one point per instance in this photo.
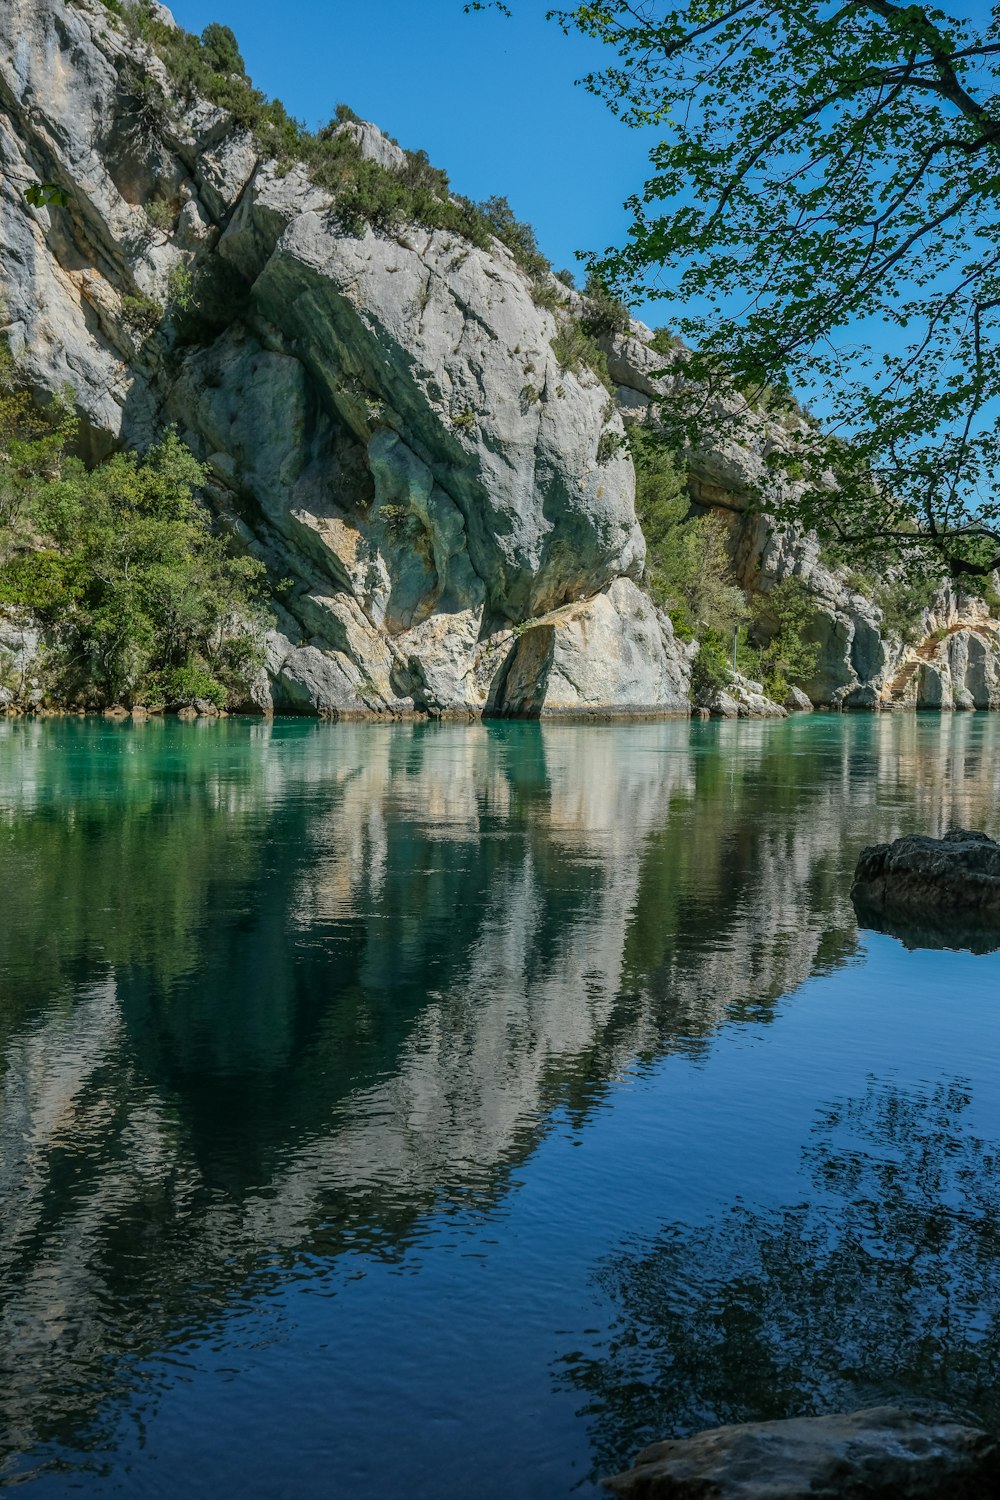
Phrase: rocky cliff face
[385,420]
[954,662]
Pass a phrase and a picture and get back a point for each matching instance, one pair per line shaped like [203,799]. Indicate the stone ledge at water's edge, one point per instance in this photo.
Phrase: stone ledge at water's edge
[384,418]
[884,1453]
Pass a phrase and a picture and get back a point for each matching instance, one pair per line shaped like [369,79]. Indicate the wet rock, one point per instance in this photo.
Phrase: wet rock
[884,1453]
[920,877]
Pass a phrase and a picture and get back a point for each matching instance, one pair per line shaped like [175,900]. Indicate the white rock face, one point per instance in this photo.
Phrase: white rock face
[385,416]
[614,653]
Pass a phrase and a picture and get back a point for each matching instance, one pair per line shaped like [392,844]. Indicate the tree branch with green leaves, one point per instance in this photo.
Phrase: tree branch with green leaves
[822,211]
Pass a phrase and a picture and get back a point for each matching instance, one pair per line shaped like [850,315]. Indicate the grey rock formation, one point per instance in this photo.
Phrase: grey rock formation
[742,699]
[932,892]
[612,654]
[883,1453]
[21,653]
[362,408]
[861,664]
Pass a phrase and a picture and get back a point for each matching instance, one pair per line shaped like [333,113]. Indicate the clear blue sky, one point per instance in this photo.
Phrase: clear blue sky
[490,100]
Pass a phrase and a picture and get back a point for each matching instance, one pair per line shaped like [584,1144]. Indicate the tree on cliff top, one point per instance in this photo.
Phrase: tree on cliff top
[824,197]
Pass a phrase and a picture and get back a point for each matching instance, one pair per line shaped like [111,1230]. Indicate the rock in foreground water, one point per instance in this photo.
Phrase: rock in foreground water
[884,1453]
[922,876]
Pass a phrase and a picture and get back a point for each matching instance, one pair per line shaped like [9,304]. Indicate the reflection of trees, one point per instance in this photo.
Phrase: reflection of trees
[886,1284]
[268,993]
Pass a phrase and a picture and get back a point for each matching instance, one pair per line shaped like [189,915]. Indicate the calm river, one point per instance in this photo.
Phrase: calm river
[443,1111]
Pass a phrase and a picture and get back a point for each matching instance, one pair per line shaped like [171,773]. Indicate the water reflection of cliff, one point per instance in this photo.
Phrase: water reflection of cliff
[271,993]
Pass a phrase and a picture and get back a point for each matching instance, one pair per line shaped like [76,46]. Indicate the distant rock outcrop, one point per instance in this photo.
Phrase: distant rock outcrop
[861,663]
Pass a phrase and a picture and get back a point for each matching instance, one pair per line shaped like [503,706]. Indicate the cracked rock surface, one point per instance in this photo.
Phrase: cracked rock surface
[384,419]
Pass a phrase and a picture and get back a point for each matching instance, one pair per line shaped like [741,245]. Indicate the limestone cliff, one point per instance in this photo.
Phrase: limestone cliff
[384,417]
[953,660]
[440,496]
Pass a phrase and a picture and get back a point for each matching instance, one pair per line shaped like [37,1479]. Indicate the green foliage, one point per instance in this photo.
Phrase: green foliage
[575,347]
[180,288]
[711,669]
[991,597]
[142,313]
[144,112]
[32,441]
[120,564]
[518,236]
[46,194]
[183,685]
[666,342]
[902,602]
[547,294]
[366,193]
[781,621]
[688,572]
[161,214]
[820,170]
[603,313]
[221,52]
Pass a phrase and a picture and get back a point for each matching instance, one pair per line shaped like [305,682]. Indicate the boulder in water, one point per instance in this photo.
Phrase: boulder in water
[884,1453]
[960,872]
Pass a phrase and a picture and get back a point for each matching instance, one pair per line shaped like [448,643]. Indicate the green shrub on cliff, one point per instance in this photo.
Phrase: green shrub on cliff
[366,192]
[688,571]
[779,651]
[120,564]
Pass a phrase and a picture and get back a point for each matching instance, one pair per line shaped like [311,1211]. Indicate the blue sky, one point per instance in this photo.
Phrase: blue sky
[490,100]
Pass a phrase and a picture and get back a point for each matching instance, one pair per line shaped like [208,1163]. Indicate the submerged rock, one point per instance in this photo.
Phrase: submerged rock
[883,1453]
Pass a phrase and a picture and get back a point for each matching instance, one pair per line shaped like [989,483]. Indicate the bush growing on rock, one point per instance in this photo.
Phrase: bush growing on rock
[688,571]
[604,314]
[576,348]
[142,313]
[367,192]
[780,624]
[144,602]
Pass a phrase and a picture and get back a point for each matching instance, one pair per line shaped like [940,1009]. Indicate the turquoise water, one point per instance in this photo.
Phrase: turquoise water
[448,1110]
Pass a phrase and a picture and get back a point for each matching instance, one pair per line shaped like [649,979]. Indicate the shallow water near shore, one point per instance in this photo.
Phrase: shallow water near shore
[447,1110]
